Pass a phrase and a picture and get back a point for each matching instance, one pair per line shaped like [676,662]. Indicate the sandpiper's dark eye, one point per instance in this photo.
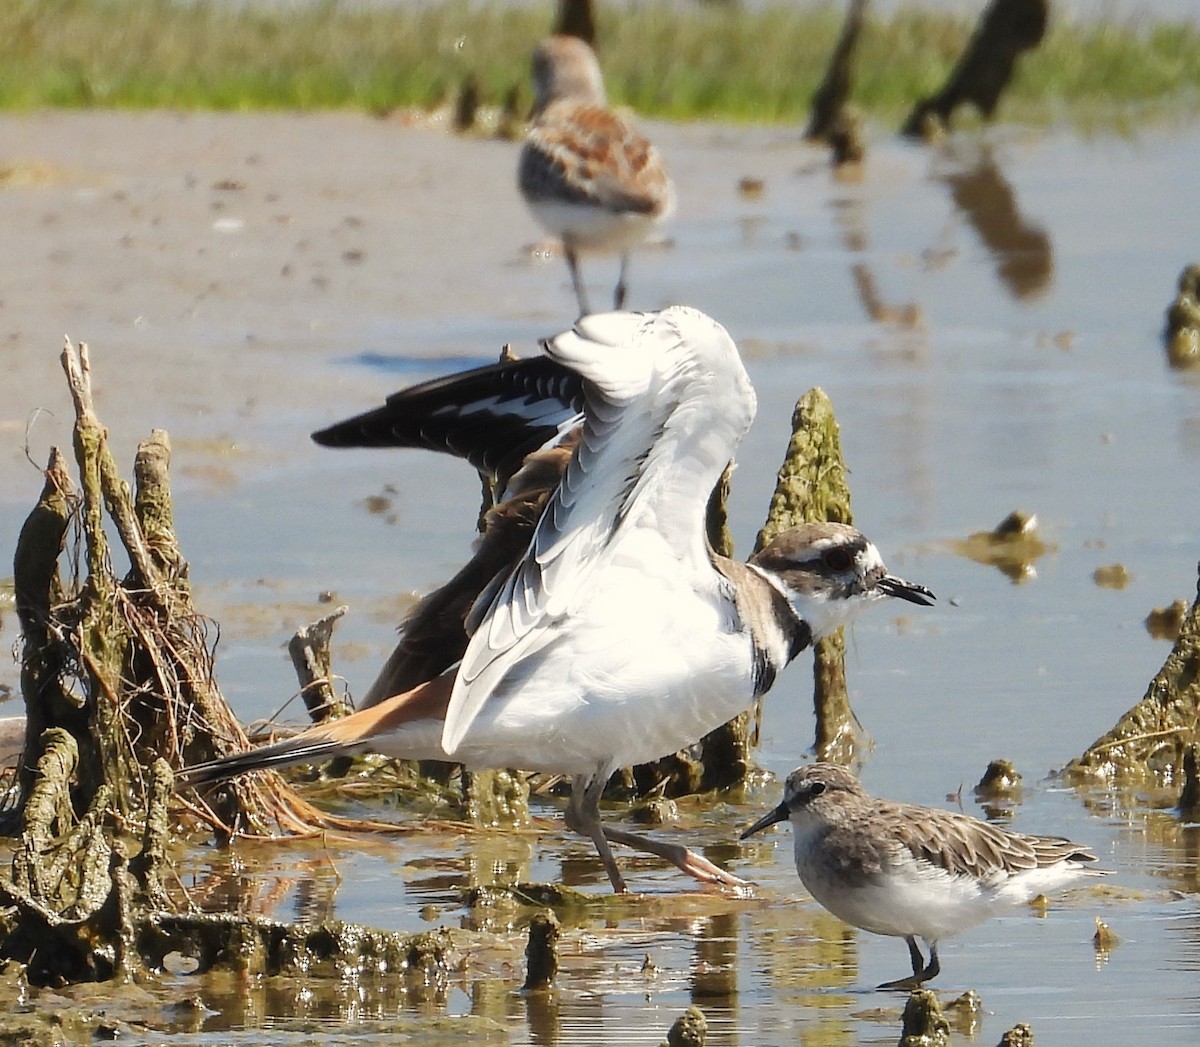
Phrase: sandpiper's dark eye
[816,788]
[838,558]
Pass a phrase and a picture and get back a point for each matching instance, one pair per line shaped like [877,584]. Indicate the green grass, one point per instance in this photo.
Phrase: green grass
[707,61]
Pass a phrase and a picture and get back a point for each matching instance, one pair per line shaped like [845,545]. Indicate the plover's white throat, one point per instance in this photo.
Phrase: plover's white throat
[587,175]
[908,871]
[618,637]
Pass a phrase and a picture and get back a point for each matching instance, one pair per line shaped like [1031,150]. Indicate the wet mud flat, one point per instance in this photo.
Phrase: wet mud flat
[987,324]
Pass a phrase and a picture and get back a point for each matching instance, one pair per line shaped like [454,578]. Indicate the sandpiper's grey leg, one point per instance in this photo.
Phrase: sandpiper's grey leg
[921,973]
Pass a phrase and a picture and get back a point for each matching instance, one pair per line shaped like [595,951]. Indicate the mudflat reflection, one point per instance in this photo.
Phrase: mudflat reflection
[1021,249]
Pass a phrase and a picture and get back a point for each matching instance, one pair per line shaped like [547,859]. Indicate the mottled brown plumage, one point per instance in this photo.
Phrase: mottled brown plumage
[588,155]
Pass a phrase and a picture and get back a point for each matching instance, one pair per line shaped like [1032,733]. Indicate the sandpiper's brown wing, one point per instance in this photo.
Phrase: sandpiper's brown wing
[967,846]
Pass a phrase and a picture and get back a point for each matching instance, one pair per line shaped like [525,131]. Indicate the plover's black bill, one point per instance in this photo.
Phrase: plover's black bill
[909,591]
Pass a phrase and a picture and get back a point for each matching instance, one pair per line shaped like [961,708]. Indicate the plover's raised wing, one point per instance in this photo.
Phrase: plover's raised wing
[666,403]
[492,416]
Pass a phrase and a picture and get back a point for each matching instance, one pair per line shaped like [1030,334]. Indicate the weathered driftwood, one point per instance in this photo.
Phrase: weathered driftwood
[541,954]
[312,659]
[124,664]
[1006,29]
[117,679]
[812,487]
[831,119]
[1151,741]
[73,900]
[576,18]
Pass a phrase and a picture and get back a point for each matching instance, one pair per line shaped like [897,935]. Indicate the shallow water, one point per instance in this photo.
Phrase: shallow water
[986,319]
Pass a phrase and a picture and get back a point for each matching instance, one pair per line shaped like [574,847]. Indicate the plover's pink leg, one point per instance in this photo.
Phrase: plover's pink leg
[695,865]
[583,816]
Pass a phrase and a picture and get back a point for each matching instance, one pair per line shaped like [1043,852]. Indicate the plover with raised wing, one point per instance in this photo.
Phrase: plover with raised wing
[587,174]
[617,636]
[912,872]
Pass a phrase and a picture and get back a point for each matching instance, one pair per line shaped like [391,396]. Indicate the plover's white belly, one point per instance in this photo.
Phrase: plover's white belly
[643,669]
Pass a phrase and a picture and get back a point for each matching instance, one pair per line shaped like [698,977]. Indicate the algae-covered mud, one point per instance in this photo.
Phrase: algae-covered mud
[243,280]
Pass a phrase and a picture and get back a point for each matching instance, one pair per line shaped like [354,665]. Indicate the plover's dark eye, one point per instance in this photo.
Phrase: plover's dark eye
[839,558]
[816,788]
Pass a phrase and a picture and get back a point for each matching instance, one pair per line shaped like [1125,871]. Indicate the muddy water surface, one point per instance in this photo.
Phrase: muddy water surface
[985,317]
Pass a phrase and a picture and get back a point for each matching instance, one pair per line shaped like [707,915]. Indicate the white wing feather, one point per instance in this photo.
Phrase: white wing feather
[667,401]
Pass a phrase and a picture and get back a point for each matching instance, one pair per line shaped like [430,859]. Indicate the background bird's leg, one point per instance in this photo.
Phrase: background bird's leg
[681,857]
[914,954]
[622,285]
[583,817]
[920,973]
[573,265]
[933,967]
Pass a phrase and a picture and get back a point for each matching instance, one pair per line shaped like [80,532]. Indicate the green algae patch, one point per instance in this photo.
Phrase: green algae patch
[924,1023]
[254,946]
[517,904]
[1165,623]
[1150,742]
[1001,781]
[503,908]
[965,1013]
[496,798]
[813,486]
[690,1029]
[1020,1035]
[1181,334]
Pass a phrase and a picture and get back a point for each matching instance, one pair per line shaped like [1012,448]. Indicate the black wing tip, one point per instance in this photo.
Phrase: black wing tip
[475,414]
[267,758]
[341,434]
